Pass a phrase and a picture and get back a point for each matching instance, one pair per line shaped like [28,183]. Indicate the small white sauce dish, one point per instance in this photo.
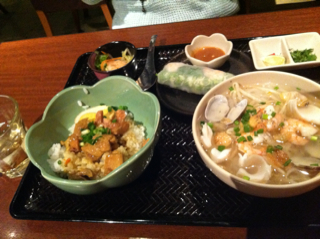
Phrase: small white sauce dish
[282,45]
[217,40]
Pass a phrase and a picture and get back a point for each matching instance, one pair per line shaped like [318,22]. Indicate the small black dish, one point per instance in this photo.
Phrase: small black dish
[114,48]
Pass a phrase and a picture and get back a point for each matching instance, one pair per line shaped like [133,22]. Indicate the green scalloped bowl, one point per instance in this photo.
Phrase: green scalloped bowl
[60,113]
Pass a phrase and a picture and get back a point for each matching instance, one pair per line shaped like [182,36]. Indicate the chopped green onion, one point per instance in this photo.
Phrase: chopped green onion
[238,134]
[281,124]
[123,108]
[231,88]
[236,129]
[241,139]
[246,128]
[236,122]
[314,165]
[84,132]
[114,120]
[279,147]
[262,103]
[246,178]
[202,123]
[59,162]
[298,88]
[270,149]
[278,103]
[260,131]
[221,148]
[273,114]
[255,133]
[314,138]
[287,163]
[210,125]
[249,138]
[276,88]
[265,116]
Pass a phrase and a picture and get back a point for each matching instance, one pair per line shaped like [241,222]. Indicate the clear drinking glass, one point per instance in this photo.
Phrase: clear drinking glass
[13,159]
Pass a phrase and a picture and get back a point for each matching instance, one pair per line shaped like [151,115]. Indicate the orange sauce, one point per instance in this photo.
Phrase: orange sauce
[207,54]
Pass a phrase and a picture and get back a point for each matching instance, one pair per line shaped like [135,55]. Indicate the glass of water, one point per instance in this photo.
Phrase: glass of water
[13,159]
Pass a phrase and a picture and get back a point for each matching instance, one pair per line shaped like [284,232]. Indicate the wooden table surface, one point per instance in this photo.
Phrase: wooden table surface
[33,71]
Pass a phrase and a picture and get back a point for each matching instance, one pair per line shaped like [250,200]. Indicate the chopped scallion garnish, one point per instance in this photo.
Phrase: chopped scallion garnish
[221,148]
[259,131]
[314,165]
[276,88]
[246,128]
[236,129]
[123,108]
[270,149]
[279,147]
[287,163]
[246,178]
[231,88]
[265,116]
[314,138]
[241,139]
[278,103]
[249,138]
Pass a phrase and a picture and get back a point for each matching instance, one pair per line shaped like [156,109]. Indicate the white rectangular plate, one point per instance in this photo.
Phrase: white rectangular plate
[281,45]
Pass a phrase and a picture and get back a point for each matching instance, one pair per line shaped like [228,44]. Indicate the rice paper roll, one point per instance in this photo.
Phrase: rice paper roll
[190,78]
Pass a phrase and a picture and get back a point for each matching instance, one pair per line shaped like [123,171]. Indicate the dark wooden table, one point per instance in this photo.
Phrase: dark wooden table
[33,71]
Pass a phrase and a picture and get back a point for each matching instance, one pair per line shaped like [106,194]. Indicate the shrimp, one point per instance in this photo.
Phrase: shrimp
[297,132]
[222,138]
[271,124]
[249,148]
[274,123]
[277,158]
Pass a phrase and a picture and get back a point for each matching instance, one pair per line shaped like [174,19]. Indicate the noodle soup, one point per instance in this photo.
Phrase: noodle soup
[267,143]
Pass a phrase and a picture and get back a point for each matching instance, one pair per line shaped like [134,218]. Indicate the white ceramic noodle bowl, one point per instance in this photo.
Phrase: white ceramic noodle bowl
[256,189]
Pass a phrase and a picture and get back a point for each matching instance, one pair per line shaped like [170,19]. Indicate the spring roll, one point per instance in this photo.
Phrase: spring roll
[190,78]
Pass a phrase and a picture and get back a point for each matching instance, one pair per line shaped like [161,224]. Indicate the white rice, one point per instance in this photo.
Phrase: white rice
[86,91]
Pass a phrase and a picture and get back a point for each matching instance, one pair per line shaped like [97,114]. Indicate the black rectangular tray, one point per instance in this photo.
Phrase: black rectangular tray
[176,188]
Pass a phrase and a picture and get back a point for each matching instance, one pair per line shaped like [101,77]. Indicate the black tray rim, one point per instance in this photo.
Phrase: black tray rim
[50,217]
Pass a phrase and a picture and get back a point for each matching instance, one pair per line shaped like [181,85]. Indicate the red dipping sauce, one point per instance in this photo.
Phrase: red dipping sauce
[207,54]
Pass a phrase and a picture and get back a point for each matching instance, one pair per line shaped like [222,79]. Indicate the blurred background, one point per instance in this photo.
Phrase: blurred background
[19,19]
[22,22]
